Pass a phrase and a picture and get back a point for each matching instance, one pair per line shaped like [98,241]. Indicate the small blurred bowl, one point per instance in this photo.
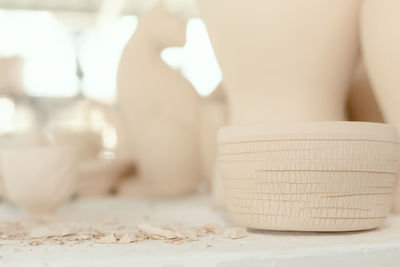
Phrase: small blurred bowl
[98,177]
[39,179]
[18,140]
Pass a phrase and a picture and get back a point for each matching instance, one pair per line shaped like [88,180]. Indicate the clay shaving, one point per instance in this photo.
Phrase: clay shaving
[235,232]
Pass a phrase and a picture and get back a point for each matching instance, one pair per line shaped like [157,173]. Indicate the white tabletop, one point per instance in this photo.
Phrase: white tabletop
[379,247]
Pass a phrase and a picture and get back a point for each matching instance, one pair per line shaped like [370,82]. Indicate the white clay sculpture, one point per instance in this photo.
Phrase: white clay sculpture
[159,109]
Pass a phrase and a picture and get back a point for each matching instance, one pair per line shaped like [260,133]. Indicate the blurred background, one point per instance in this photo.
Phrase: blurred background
[62,81]
[56,53]
[58,76]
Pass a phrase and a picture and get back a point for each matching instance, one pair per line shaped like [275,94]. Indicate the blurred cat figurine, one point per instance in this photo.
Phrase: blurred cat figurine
[159,110]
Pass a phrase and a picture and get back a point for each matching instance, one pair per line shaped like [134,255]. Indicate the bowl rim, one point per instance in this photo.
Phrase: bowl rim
[307,131]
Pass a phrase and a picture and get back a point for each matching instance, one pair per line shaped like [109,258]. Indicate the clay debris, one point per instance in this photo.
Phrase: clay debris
[108,239]
[111,232]
[235,232]
[156,231]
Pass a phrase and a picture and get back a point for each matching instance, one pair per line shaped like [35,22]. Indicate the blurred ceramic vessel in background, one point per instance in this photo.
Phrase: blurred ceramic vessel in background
[39,179]
[17,140]
[380,36]
[362,103]
[214,115]
[287,60]
[98,177]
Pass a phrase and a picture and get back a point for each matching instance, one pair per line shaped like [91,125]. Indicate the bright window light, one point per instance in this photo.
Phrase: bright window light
[47,47]
[99,56]
[196,59]
[50,53]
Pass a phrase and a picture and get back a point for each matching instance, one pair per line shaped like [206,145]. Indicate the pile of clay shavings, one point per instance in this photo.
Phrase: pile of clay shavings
[35,234]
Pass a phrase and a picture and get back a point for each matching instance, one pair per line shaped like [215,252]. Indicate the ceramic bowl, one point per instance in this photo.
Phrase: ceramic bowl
[309,176]
[39,179]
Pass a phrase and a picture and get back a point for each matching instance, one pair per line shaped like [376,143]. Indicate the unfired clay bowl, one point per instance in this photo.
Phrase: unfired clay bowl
[18,140]
[39,179]
[98,177]
[310,176]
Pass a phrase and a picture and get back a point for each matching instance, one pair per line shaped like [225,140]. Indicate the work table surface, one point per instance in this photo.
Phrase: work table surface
[380,247]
